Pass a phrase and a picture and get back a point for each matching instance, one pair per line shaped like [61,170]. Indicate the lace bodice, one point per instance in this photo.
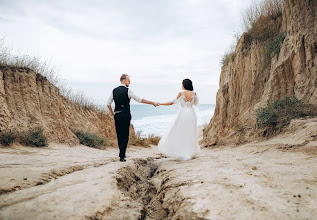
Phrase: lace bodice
[187,104]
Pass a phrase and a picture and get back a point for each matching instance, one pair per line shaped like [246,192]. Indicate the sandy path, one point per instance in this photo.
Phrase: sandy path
[261,180]
[220,184]
[58,181]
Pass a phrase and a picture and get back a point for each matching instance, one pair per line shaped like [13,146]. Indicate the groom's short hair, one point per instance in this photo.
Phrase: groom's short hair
[123,76]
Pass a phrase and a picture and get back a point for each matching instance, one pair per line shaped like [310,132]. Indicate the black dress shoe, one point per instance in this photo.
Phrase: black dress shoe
[122,160]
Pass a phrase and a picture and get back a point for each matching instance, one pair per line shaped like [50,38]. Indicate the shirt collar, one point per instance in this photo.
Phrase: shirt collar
[124,85]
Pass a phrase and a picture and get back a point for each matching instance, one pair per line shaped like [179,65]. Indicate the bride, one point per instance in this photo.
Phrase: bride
[181,139]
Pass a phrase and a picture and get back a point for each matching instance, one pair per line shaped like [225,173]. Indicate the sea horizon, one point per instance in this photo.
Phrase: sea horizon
[150,120]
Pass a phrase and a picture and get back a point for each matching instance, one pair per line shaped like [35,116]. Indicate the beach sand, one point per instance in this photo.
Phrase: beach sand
[262,180]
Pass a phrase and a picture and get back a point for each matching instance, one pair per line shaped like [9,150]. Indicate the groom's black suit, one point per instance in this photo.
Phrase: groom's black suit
[122,117]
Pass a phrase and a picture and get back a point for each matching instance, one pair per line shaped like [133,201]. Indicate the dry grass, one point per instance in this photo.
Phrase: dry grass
[260,23]
[36,64]
[138,140]
[154,140]
[261,9]
[230,55]
[78,97]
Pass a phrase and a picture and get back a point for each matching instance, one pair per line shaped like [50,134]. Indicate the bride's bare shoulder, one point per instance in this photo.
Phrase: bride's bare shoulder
[179,94]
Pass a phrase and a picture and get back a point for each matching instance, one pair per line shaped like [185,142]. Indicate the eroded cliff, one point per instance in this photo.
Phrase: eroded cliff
[248,82]
[29,100]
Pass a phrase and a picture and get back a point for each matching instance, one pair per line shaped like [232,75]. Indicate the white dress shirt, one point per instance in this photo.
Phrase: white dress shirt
[130,95]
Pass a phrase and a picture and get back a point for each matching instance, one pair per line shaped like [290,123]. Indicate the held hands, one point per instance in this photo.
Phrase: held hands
[156,104]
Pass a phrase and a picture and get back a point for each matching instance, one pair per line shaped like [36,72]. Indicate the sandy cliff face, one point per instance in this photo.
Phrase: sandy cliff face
[29,100]
[246,84]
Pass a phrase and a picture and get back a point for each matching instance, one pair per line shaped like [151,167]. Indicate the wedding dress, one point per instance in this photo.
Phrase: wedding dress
[181,139]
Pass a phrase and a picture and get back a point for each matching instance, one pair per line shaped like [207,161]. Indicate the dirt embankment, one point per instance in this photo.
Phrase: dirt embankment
[29,100]
[272,179]
[249,81]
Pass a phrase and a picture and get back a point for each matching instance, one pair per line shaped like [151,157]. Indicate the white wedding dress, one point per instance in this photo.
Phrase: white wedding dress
[181,139]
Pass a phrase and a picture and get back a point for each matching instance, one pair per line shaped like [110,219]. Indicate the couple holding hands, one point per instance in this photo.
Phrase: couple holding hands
[179,141]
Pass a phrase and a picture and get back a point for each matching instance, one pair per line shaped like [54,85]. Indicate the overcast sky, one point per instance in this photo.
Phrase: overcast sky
[157,42]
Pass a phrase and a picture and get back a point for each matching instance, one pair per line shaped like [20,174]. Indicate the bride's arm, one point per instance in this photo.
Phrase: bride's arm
[171,103]
[167,103]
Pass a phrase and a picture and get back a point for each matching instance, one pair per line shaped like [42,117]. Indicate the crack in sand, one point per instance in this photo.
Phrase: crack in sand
[53,174]
[146,184]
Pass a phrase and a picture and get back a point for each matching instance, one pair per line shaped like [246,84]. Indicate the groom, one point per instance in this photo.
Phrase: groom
[122,115]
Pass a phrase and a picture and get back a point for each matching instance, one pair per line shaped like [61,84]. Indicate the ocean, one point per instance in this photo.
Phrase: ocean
[150,120]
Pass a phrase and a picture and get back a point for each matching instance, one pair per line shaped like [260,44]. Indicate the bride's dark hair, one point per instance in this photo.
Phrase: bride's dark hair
[188,84]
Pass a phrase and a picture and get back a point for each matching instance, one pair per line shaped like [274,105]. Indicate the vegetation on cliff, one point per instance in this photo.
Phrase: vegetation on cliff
[273,59]
[9,60]
[32,94]
[262,24]
[278,114]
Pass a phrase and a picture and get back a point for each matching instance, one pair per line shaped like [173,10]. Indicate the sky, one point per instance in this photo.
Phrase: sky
[157,42]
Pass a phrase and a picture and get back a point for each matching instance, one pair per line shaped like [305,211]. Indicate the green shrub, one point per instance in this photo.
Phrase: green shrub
[7,138]
[285,103]
[266,29]
[266,117]
[278,113]
[274,45]
[262,29]
[34,137]
[89,139]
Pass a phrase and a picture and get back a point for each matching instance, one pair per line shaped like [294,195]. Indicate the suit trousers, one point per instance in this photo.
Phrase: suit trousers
[122,122]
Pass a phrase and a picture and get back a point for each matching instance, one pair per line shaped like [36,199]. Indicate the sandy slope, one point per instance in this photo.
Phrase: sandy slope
[264,180]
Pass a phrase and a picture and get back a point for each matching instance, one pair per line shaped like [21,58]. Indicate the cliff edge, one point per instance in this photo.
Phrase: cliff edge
[249,80]
[29,100]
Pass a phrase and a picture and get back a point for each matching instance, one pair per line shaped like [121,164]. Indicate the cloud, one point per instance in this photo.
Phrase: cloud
[156,42]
